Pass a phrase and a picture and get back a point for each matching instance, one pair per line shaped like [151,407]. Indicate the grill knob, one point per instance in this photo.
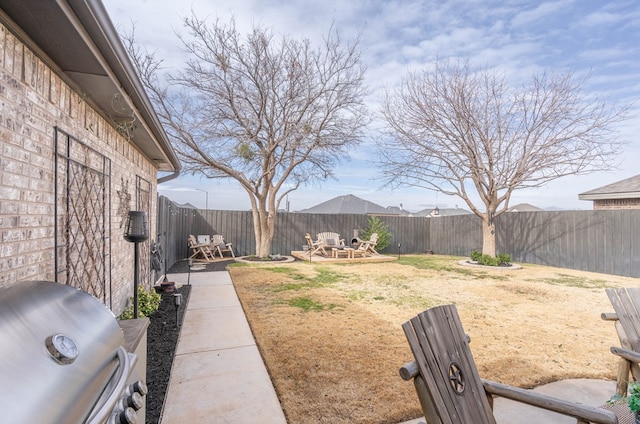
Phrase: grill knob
[135,401]
[138,387]
[128,416]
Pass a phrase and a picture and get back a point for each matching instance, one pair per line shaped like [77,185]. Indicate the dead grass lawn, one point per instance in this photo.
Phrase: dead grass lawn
[331,338]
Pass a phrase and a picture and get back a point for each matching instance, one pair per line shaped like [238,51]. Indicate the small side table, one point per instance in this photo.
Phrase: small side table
[338,252]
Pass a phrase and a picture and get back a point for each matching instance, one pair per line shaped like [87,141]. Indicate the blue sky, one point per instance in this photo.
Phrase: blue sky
[518,37]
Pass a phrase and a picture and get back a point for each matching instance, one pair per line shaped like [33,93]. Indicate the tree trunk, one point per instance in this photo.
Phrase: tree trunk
[263,228]
[488,237]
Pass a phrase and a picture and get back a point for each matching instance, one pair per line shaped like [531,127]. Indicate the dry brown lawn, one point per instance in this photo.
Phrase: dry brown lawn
[332,340]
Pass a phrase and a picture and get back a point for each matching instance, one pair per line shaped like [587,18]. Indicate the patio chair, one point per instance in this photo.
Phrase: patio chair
[219,245]
[626,304]
[371,243]
[199,250]
[315,246]
[448,384]
[361,251]
[367,247]
[329,241]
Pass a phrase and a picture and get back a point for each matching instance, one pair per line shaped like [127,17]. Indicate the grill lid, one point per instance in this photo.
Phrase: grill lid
[58,346]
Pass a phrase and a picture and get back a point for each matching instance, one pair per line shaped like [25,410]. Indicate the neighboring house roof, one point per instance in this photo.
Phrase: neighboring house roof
[185,205]
[77,38]
[433,212]
[524,207]
[398,210]
[349,204]
[628,188]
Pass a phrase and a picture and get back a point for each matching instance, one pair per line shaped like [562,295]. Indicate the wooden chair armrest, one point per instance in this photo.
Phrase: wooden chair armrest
[409,370]
[575,410]
[627,354]
[609,316]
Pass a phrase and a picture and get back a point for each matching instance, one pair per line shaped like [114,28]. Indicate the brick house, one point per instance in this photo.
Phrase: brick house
[81,147]
[624,194]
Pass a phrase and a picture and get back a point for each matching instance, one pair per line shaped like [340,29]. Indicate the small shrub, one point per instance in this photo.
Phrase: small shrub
[501,259]
[634,397]
[148,303]
[504,258]
[488,260]
[475,255]
[375,225]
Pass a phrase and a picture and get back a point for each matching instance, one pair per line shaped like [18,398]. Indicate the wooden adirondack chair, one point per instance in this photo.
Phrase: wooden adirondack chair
[315,246]
[329,240]
[370,244]
[199,250]
[219,245]
[447,380]
[626,304]
[362,250]
[367,247]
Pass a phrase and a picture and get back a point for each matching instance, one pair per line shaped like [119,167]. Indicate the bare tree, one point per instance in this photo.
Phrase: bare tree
[272,114]
[458,131]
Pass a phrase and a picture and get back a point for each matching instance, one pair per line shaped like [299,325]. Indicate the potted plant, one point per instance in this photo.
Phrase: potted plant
[633,399]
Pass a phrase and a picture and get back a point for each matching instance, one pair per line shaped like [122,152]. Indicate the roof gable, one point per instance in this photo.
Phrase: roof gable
[628,188]
[348,204]
[524,207]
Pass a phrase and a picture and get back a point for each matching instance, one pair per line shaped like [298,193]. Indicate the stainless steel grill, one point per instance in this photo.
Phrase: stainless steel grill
[63,358]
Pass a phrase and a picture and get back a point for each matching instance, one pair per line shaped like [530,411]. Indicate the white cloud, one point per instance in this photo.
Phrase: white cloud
[518,37]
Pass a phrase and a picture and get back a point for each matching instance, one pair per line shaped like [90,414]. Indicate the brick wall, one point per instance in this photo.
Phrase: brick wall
[34,100]
[612,204]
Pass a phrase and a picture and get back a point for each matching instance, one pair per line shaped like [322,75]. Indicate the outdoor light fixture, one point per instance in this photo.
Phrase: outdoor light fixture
[136,231]
[190,263]
[436,211]
[177,301]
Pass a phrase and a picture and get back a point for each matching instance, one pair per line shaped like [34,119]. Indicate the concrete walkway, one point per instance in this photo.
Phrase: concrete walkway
[218,375]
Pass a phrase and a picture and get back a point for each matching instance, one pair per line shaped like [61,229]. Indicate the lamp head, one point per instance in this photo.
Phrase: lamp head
[136,230]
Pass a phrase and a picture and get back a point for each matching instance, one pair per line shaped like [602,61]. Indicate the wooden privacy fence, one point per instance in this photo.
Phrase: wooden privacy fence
[237,227]
[599,241]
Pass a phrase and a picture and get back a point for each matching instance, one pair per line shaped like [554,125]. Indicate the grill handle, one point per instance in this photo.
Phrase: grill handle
[101,412]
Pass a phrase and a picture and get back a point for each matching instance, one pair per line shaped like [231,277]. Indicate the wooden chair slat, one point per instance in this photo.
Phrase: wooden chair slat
[447,381]
[626,304]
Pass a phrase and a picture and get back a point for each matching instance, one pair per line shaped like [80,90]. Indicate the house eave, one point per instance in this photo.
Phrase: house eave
[88,55]
[609,196]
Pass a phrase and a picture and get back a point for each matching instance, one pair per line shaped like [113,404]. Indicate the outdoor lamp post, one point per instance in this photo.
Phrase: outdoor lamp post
[206,199]
[136,232]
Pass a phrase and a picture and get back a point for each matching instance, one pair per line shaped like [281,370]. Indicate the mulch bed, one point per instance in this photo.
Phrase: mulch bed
[162,338]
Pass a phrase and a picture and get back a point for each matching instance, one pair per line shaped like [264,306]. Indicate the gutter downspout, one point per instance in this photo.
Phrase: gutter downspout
[169,177]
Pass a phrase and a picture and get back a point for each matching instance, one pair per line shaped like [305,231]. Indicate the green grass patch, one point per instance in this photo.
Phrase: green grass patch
[572,281]
[435,264]
[307,304]
[357,295]
[323,278]
[439,264]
